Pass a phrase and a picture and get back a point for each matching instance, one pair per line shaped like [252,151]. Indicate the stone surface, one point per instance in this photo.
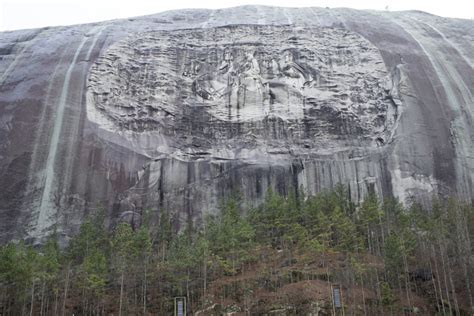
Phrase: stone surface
[179,109]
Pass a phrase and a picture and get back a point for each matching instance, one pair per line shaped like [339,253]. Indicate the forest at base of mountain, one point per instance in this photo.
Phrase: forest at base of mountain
[284,257]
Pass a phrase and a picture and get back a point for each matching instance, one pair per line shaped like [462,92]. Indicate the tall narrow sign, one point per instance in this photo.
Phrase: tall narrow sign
[179,306]
[336,294]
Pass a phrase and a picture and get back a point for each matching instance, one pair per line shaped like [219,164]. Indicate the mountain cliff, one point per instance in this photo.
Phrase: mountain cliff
[179,109]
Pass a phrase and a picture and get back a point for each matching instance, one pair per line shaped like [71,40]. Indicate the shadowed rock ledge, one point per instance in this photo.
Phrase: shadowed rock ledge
[180,109]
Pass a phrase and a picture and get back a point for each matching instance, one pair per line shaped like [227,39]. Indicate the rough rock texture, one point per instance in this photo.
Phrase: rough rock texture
[179,109]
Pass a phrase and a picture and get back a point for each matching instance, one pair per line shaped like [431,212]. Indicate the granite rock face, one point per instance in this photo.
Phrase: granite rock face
[180,109]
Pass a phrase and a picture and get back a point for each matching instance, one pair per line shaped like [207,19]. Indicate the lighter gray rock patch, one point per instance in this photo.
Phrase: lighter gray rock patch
[246,75]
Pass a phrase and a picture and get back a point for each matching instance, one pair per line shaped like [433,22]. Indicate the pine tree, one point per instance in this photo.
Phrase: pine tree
[344,234]
[165,234]
[122,250]
[18,275]
[94,273]
[370,216]
[142,247]
[48,265]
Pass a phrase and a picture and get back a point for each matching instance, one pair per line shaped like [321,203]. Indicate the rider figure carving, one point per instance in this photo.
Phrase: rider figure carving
[295,75]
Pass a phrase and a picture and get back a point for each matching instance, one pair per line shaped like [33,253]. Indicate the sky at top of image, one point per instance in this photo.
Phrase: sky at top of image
[22,14]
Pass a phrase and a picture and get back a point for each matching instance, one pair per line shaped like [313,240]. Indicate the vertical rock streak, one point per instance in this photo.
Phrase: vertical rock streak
[46,209]
[454,46]
[459,100]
